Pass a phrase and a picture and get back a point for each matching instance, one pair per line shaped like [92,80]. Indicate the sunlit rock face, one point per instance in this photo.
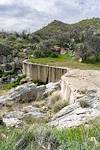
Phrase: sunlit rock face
[76,83]
[28,92]
[77,113]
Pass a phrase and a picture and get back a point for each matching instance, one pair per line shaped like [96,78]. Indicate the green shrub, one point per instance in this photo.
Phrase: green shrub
[1,73]
[44,53]
[53,55]
[37,54]
[14,84]
[38,138]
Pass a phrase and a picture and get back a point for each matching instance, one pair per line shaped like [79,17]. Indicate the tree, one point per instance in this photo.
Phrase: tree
[81,51]
[64,40]
[92,41]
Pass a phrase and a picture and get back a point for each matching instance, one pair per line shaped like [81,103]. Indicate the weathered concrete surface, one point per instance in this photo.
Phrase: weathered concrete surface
[75,83]
[44,73]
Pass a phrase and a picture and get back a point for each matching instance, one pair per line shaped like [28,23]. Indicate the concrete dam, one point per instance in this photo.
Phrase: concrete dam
[43,73]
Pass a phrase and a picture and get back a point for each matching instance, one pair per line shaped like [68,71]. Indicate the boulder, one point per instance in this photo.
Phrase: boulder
[28,92]
[51,87]
[13,122]
[24,93]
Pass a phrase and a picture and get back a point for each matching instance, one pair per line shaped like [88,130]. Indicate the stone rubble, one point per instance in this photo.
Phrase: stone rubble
[14,118]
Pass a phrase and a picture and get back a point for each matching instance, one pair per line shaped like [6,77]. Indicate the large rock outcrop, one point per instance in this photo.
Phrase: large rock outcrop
[81,88]
[25,94]
[28,92]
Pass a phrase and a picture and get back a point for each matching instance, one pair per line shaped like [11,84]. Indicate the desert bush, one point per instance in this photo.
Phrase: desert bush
[53,98]
[84,104]
[46,138]
[34,120]
[59,105]
[40,137]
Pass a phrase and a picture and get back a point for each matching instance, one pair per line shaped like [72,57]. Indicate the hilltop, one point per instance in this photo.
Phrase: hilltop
[57,26]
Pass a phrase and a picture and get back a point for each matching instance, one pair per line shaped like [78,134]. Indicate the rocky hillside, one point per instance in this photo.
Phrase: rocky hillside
[81,41]
[32,115]
[21,45]
[57,27]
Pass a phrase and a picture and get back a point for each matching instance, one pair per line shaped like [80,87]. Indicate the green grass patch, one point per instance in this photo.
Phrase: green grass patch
[65,61]
[41,136]
[9,86]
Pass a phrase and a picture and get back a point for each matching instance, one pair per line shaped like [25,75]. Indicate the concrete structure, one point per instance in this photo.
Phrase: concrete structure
[43,73]
[76,83]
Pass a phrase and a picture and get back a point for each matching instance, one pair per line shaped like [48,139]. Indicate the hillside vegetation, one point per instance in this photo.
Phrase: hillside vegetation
[60,27]
[82,39]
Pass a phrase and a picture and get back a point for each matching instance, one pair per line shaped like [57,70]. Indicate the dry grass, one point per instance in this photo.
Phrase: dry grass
[59,105]
[2,92]
[53,98]
[34,120]
[84,104]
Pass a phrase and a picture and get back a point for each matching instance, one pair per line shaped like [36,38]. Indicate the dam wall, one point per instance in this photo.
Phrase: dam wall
[43,73]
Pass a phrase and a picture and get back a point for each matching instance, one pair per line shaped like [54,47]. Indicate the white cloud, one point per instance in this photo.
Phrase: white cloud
[3,2]
[25,14]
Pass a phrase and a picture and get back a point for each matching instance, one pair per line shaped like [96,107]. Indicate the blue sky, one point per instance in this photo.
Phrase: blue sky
[17,15]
